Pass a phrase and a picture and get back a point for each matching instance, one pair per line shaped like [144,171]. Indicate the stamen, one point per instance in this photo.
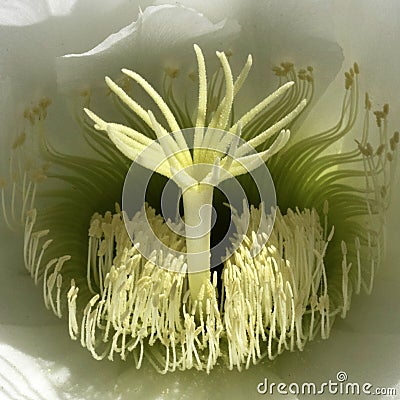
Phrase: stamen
[133,289]
[3,204]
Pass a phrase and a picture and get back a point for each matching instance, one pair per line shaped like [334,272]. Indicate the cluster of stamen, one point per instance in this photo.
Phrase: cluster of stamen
[268,303]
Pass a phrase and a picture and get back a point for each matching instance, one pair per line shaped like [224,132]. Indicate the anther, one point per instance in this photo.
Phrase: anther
[19,141]
[386,109]
[368,103]
[171,72]
[380,149]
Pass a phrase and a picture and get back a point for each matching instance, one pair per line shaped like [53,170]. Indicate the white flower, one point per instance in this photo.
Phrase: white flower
[65,371]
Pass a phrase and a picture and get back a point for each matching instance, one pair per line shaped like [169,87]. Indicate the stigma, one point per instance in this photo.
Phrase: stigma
[212,158]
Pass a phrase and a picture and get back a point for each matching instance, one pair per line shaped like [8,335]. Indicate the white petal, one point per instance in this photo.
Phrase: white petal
[369,35]
[214,10]
[46,364]
[147,44]
[22,376]
[275,31]
[32,35]
[25,12]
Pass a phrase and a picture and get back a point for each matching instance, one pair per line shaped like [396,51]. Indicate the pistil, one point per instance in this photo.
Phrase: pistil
[215,157]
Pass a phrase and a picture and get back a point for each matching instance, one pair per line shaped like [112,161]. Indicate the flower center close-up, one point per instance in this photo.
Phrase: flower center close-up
[274,229]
